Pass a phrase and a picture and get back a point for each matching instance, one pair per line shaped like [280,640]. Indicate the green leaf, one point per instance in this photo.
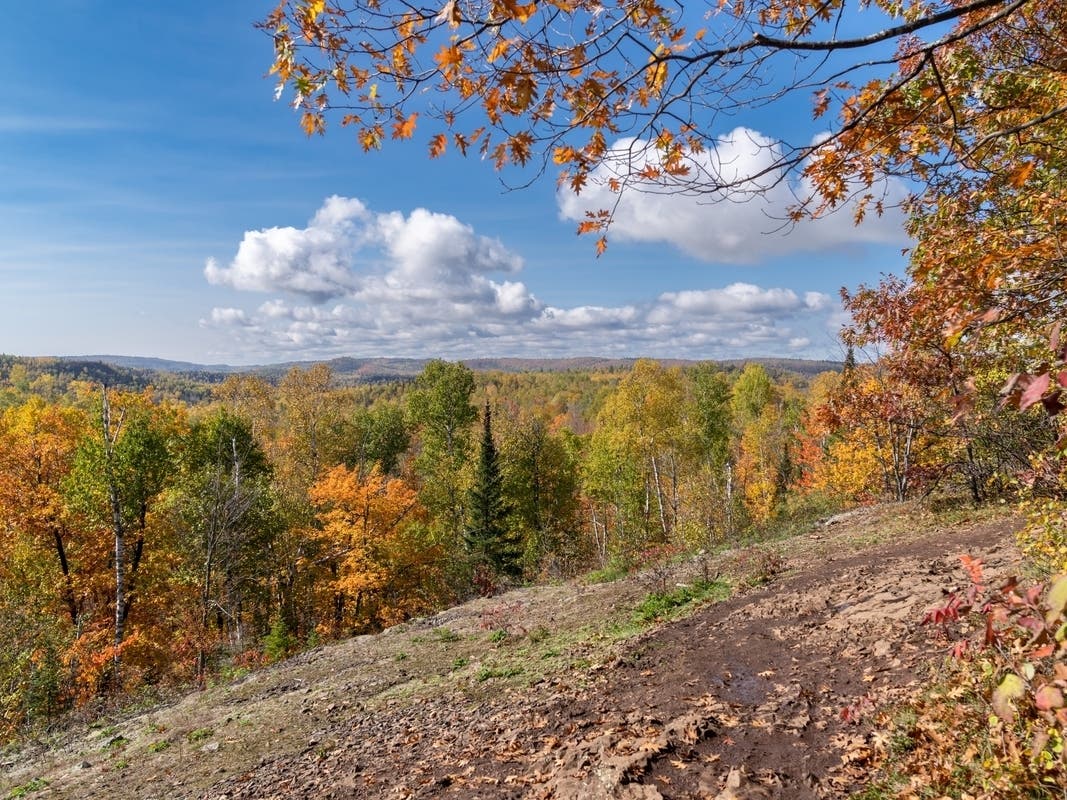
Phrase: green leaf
[1056,599]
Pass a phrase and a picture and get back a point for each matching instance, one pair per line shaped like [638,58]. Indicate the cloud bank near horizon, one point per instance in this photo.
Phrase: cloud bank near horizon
[359,281]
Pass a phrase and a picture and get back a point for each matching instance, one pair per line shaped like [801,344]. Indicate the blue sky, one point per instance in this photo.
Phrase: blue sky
[155,200]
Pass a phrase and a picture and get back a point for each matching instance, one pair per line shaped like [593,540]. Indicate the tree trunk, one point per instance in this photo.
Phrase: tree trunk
[119,530]
[68,583]
[659,499]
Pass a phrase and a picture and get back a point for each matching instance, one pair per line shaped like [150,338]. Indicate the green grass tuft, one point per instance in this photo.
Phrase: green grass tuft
[665,605]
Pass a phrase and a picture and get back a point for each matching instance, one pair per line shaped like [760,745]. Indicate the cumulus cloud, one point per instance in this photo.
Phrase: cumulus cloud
[746,225]
[737,299]
[357,281]
[346,251]
[315,261]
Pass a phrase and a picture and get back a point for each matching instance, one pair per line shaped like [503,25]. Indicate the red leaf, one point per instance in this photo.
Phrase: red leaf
[990,632]
[1012,388]
[1032,624]
[1035,389]
[973,567]
[1048,697]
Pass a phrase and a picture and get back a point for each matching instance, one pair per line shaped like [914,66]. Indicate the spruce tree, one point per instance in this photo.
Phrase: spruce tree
[850,362]
[489,541]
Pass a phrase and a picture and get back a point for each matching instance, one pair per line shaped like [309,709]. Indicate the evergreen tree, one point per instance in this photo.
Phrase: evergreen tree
[489,541]
[850,362]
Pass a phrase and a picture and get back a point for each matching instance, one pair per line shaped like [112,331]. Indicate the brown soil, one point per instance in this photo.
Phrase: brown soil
[768,694]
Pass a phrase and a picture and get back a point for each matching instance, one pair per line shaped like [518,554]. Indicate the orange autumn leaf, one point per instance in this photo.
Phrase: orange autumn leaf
[405,128]
[438,145]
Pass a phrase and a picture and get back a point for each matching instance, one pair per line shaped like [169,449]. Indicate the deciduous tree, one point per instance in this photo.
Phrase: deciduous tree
[223,507]
[364,524]
[38,442]
[541,483]
[440,408]
[117,475]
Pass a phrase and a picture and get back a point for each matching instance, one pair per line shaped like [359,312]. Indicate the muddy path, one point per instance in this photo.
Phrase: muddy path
[766,695]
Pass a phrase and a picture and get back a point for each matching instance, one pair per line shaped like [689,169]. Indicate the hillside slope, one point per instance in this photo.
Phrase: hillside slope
[557,692]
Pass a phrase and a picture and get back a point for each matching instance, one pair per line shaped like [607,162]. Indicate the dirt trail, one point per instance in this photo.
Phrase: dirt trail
[765,695]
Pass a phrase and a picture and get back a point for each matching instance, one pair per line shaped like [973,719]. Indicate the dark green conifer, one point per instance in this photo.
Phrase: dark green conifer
[850,362]
[489,541]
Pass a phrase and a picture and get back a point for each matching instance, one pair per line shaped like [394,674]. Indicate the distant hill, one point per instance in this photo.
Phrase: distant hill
[52,377]
[358,370]
[154,364]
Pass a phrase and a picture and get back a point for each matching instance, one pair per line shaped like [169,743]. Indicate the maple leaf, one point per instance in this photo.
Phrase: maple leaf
[405,128]
[524,13]
[438,144]
[448,59]
[1021,174]
[973,566]
[499,50]
[313,123]
[1034,391]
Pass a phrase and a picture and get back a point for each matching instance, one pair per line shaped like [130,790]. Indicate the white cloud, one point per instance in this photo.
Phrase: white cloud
[746,224]
[426,283]
[315,261]
[587,318]
[817,301]
[733,300]
[433,261]
[228,316]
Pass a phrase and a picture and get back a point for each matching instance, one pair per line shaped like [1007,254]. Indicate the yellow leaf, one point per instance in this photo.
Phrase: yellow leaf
[499,50]
[523,13]
[1010,688]
[1020,175]
[1056,599]
[448,58]
[564,154]
[313,123]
